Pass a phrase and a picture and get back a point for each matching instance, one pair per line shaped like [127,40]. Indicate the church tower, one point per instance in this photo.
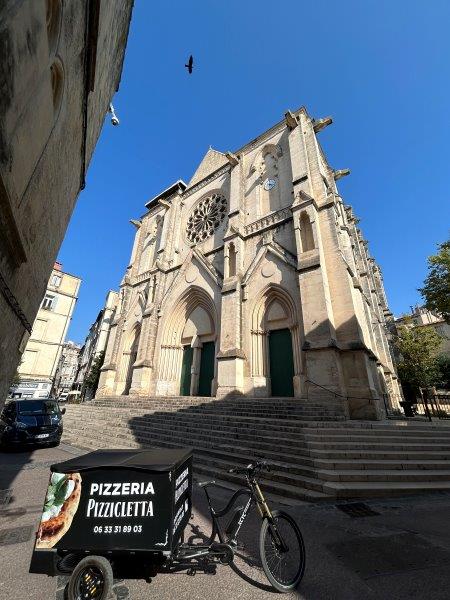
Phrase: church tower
[253,279]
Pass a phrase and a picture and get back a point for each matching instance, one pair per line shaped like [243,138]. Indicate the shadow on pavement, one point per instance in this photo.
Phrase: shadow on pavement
[247,564]
[12,462]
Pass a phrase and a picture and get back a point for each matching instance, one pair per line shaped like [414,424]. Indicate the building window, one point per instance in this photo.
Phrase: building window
[206,217]
[49,301]
[56,280]
[232,261]
[306,233]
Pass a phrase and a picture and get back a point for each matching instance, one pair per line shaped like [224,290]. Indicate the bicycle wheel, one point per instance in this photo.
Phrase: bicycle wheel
[92,579]
[284,570]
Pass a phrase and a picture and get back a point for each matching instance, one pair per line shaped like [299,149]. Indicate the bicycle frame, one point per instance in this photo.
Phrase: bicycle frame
[254,495]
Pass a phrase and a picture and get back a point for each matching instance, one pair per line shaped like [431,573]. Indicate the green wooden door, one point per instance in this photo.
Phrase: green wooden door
[281,362]
[185,384]
[206,369]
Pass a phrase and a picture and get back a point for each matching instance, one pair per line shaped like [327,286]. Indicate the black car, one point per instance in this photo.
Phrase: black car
[31,422]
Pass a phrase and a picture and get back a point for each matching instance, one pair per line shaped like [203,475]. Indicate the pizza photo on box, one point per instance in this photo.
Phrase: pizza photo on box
[61,504]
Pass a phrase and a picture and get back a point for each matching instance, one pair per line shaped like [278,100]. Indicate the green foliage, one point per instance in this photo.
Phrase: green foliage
[436,287]
[91,380]
[443,365]
[418,347]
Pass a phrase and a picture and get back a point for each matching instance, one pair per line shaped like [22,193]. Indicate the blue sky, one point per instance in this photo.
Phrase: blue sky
[380,68]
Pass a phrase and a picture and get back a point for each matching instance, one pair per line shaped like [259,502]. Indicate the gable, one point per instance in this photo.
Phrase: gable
[212,161]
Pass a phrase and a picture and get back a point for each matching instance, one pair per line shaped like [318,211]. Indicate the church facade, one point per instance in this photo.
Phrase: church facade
[253,279]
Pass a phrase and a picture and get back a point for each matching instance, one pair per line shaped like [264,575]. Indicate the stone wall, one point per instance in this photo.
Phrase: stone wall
[60,66]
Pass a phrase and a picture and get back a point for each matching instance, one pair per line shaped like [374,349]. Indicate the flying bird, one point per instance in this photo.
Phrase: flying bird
[190,64]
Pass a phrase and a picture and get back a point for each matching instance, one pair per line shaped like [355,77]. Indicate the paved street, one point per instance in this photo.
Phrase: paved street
[401,552]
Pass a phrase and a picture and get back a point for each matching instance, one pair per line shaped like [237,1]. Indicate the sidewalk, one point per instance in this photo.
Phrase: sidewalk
[402,552]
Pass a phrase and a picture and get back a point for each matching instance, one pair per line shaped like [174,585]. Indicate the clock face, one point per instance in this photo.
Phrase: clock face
[269,184]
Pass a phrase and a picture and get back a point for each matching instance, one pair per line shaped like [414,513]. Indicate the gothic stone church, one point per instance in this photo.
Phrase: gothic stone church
[253,279]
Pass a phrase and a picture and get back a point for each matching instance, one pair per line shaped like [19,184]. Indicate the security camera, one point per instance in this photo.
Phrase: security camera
[114,120]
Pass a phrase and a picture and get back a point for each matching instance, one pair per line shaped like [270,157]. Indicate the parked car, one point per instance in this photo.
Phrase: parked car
[72,396]
[38,422]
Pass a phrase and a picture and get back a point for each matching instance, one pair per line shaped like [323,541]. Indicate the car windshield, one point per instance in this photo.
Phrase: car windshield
[38,407]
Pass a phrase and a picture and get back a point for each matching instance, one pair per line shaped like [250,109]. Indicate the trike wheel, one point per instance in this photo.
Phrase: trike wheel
[284,570]
[92,579]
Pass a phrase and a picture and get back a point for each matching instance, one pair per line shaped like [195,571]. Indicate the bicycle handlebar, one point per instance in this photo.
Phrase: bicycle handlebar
[250,469]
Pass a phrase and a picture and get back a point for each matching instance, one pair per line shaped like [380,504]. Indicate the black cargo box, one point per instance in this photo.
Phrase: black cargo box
[115,501]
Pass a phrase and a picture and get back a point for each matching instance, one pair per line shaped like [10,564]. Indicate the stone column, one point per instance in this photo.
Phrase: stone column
[195,367]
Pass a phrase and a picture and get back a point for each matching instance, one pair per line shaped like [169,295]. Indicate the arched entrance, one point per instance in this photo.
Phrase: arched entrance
[197,369]
[188,348]
[275,344]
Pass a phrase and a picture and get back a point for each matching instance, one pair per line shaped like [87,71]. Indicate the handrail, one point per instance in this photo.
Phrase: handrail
[324,388]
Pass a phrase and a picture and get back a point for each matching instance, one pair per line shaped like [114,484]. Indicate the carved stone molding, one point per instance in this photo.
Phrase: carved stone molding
[205,181]
[277,217]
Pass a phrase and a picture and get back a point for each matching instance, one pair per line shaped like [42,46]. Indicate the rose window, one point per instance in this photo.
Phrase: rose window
[206,217]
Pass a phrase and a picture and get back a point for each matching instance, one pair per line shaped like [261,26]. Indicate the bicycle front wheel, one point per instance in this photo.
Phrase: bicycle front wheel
[284,570]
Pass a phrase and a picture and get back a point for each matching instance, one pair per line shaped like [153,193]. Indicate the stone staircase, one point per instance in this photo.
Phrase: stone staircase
[317,454]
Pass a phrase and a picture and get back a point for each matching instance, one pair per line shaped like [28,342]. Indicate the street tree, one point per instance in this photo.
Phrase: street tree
[91,381]
[436,287]
[418,348]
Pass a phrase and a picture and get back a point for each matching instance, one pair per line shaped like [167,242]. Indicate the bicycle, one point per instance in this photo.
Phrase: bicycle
[281,545]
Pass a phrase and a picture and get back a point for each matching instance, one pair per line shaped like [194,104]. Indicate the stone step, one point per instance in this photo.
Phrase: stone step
[314,457]
[394,443]
[294,486]
[142,435]
[227,406]
[375,454]
[295,420]
[299,439]
[288,416]
[363,464]
[383,489]
[338,427]
[257,442]
[402,425]
[239,400]
[304,488]
[287,468]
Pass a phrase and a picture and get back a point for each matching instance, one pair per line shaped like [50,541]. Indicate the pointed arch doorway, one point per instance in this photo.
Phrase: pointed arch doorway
[188,350]
[275,347]
[198,365]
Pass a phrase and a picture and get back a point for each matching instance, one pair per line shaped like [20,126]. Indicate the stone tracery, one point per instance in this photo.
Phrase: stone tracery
[206,217]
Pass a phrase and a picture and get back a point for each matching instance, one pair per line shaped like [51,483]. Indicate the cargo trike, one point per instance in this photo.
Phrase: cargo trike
[122,514]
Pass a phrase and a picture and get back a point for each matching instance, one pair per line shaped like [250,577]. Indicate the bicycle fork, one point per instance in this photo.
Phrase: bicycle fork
[266,513]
